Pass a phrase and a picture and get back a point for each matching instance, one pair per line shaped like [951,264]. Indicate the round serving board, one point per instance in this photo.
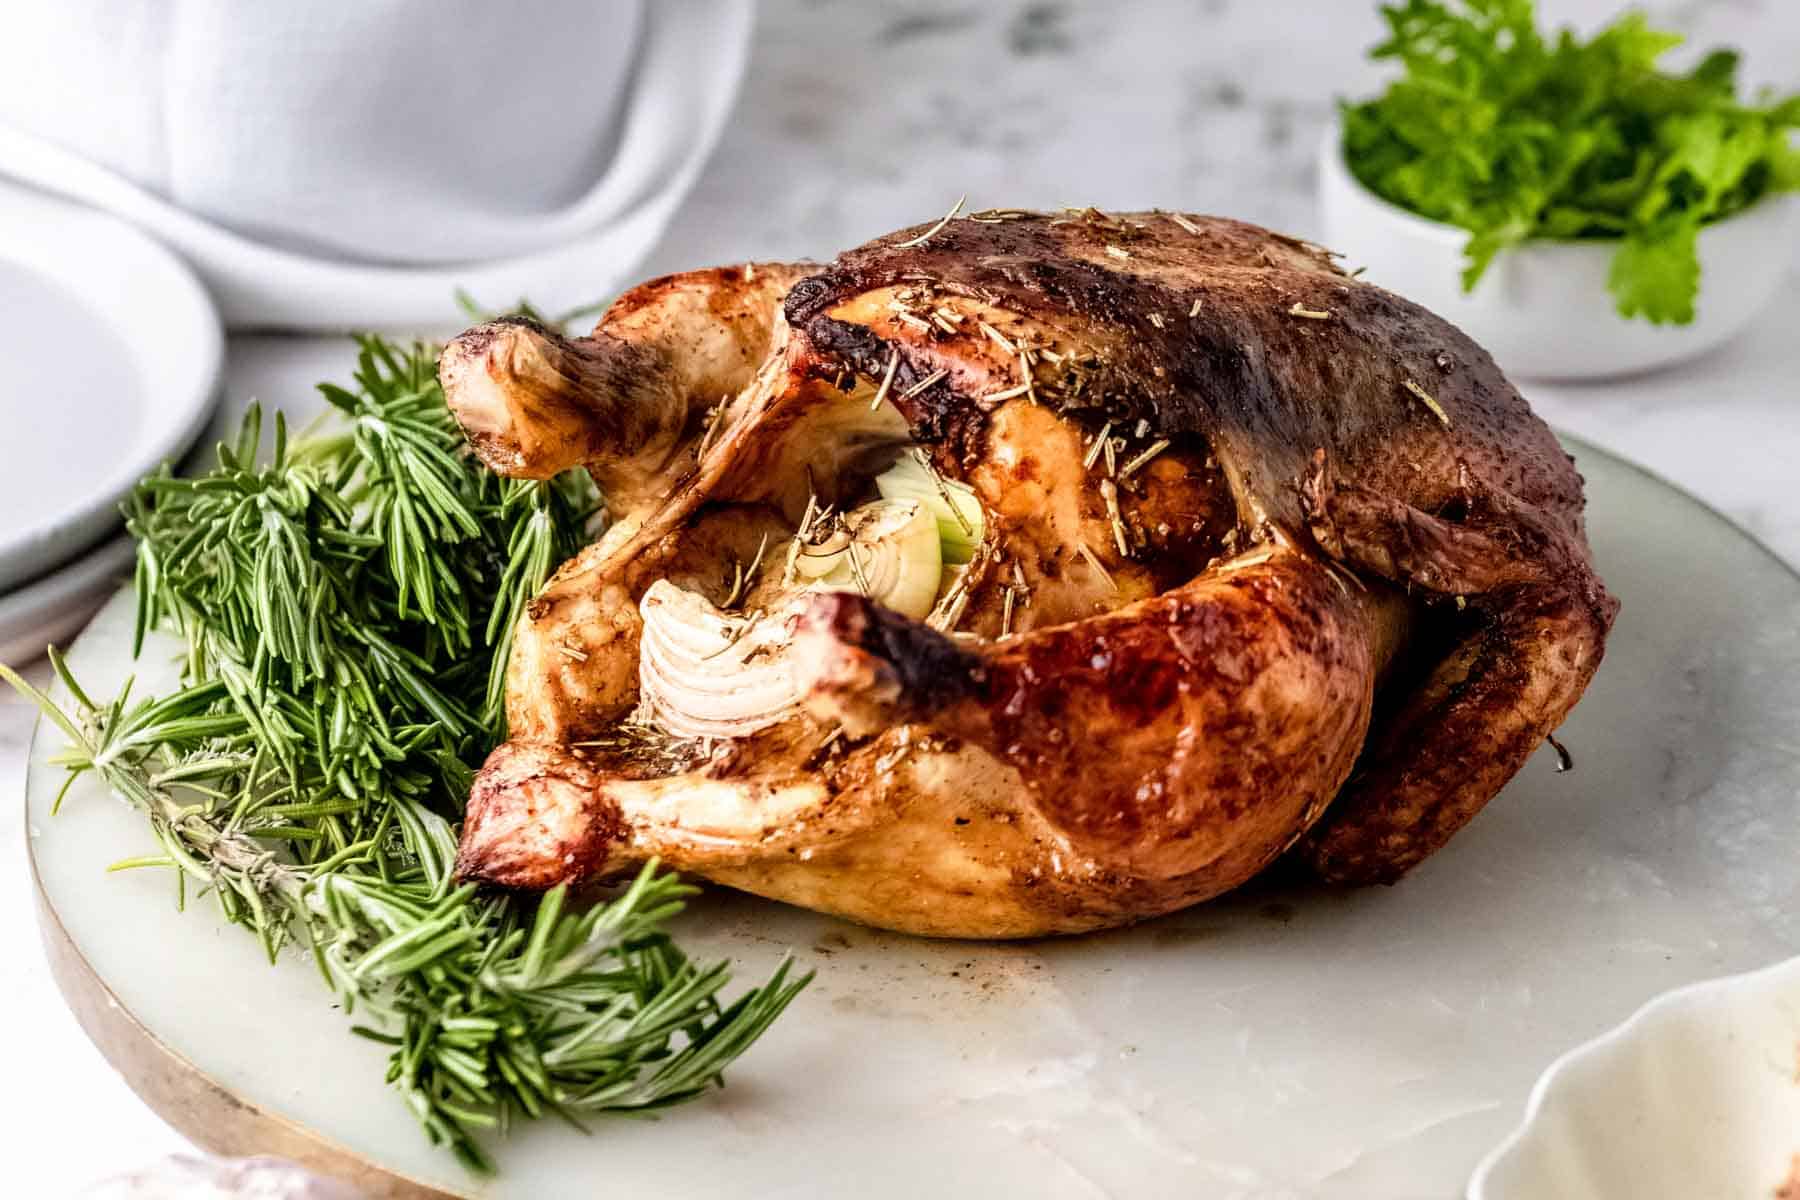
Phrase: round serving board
[1280,1043]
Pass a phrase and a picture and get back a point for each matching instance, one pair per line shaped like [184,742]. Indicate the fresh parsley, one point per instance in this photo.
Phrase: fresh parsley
[1512,134]
[346,606]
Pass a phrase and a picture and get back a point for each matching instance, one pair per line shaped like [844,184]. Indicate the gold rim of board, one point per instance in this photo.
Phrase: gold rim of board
[204,1110]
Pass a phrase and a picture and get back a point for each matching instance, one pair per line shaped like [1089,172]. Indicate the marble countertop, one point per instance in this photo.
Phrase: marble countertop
[857,119]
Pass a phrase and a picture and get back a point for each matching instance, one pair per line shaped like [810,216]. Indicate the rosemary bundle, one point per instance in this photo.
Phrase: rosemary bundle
[346,608]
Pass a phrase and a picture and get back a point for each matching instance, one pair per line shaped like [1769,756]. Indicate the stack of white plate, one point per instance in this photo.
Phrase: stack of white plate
[110,352]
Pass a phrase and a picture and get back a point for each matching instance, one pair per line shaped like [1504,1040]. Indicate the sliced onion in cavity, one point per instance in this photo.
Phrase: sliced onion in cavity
[707,673]
[893,556]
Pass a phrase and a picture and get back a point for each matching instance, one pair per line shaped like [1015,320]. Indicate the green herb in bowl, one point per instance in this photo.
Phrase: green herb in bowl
[1513,135]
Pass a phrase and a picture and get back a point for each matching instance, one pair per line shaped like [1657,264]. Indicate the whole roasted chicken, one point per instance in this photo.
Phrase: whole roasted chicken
[1024,573]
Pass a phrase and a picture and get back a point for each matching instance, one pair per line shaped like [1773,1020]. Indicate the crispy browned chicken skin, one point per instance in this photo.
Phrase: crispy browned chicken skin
[1274,562]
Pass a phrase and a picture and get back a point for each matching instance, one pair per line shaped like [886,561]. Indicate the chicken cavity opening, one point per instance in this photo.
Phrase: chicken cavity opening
[876,519]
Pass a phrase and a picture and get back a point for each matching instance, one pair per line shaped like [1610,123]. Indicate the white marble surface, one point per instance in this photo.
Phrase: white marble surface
[858,118]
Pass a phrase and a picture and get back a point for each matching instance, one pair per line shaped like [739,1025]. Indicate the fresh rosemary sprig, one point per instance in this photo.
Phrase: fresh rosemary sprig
[346,607]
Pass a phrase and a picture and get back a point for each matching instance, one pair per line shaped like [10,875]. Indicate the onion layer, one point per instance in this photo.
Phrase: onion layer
[891,555]
[707,673]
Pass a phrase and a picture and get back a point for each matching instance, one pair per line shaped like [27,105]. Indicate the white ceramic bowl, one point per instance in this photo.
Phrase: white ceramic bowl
[1542,309]
[1695,1097]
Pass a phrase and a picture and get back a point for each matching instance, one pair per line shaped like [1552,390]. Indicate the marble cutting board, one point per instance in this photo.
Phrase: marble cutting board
[1280,1043]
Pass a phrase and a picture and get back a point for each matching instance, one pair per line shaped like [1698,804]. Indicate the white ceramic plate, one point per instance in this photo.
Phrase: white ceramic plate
[1279,1043]
[112,353]
[1697,1097]
[52,609]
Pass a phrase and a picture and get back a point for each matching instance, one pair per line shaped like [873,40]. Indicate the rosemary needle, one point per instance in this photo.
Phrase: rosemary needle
[929,233]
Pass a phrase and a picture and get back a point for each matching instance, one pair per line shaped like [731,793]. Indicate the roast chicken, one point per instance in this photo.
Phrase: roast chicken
[1264,563]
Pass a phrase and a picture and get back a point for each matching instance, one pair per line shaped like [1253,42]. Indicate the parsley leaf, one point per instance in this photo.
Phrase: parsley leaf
[1514,134]
[1656,274]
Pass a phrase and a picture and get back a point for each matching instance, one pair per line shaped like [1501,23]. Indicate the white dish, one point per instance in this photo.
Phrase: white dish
[52,609]
[1370,1044]
[113,353]
[1696,1097]
[1542,309]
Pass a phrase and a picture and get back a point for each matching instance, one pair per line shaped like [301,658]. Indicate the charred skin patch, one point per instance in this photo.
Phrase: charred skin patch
[927,672]
[937,415]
